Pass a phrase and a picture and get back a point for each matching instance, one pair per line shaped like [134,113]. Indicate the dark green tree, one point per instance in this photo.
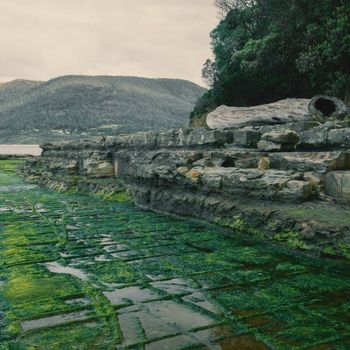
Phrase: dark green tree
[266,50]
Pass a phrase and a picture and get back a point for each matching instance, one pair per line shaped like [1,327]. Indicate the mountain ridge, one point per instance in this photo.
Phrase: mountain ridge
[69,106]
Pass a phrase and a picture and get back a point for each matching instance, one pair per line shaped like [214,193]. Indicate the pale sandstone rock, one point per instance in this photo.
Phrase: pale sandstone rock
[337,184]
[281,112]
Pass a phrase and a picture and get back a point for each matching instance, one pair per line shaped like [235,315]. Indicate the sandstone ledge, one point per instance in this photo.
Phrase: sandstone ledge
[296,192]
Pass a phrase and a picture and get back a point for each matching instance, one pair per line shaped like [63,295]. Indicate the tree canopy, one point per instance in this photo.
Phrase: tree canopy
[266,50]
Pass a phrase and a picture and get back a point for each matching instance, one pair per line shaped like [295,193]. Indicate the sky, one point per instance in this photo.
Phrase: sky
[43,39]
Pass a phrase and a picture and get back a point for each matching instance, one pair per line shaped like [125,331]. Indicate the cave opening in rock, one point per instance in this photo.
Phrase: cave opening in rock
[327,107]
[228,163]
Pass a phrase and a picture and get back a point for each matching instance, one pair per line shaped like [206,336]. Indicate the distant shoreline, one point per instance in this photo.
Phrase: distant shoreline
[33,150]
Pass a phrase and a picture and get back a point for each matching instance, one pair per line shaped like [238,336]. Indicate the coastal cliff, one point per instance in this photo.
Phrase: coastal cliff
[279,177]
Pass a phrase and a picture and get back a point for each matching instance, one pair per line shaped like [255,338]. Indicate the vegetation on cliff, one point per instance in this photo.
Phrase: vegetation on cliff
[266,50]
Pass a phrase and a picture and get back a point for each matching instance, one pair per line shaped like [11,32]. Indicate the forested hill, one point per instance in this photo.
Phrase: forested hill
[268,50]
[74,106]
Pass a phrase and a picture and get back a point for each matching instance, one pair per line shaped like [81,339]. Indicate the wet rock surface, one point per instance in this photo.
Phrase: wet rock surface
[78,272]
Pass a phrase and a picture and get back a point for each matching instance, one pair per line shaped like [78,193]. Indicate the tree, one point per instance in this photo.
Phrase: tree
[226,6]
[267,50]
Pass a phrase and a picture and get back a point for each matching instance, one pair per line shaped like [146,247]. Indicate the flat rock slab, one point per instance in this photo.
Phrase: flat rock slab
[281,112]
[161,319]
[54,321]
[337,184]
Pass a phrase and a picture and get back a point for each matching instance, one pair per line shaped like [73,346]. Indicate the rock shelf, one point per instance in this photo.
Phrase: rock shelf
[288,174]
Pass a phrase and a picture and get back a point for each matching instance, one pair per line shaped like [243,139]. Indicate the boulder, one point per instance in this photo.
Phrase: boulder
[297,190]
[97,168]
[282,112]
[246,137]
[278,140]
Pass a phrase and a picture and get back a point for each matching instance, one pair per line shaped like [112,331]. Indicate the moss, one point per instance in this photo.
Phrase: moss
[112,271]
[330,251]
[75,336]
[120,197]
[106,312]
[327,214]
[8,169]
[10,166]
[345,249]
[239,225]
[199,121]
[292,239]
[22,288]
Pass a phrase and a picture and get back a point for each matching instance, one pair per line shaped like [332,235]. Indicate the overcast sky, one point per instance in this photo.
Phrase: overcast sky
[42,39]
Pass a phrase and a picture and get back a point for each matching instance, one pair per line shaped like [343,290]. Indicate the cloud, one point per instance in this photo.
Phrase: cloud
[41,39]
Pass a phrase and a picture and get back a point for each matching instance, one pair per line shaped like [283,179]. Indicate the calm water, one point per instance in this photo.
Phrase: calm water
[34,150]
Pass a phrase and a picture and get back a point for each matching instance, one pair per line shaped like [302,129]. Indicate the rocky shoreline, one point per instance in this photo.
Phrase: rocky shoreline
[280,178]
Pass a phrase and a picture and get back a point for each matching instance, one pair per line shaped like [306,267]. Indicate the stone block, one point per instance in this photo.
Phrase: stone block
[246,137]
[321,162]
[282,136]
[337,184]
[269,146]
[95,168]
[313,138]
[346,186]
[339,137]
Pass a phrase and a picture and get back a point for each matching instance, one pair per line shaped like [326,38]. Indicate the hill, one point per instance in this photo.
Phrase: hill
[71,106]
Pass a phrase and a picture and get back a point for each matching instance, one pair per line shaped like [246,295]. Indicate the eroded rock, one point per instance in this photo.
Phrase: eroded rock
[327,106]
[337,184]
[276,155]
[281,112]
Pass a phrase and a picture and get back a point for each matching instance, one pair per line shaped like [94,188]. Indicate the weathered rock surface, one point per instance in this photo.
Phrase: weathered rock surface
[337,184]
[281,112]
[268,165]
[290,110]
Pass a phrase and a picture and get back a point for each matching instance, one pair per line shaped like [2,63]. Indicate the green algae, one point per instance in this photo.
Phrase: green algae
[9,166]
[323,214]
[105,188]
[292,239]
[265,296]
[240,226]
